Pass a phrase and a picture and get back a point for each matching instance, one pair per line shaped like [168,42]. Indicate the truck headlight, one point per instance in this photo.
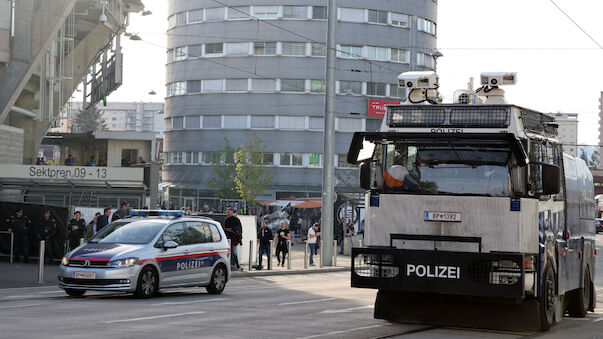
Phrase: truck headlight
[64,261]
[123,262]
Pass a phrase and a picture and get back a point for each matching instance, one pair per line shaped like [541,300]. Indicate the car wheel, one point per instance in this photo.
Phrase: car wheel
[547,299]
[218,280]
[147,283]
[75,293]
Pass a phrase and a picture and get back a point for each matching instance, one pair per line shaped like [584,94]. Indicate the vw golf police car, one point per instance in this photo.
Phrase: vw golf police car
[148,251]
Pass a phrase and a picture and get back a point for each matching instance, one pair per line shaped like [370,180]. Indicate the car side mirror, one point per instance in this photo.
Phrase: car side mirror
[170,244]
[550,179]
[365,175]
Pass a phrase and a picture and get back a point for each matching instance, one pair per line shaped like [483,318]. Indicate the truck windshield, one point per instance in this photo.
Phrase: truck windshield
[444,168]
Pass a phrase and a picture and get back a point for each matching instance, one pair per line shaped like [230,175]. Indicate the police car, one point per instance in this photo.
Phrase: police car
[148,251]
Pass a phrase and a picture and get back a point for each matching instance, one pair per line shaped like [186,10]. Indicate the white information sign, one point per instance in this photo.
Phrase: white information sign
[88,173]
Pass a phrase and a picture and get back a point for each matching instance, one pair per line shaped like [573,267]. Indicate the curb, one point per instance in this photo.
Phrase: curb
[264,273]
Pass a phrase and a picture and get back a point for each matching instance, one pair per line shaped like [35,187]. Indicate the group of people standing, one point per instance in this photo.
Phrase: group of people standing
[280,238]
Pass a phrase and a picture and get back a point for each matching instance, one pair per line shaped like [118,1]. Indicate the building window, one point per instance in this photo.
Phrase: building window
[319,49]
[171,21]
[350,87]
[426,26]
[317,86]
[342,161]
[179,53]
[346,51]
[291,159]
[195,51]
[177,122]
[395,91]
[170,55]
[262,121]
[235,121]
[212,86]
[263,85]
[399,55]
[214,14]
[264,48]
[193,86]
[239,48]
[293,85]
[268,159]
[176,88]
[238,12]
[168,124]
[177,157]
[291,122]
[400,20]
[236,85]
[181,19]
[352,14]
[294,48]
[192,122]
[349,125]
[212,121]
[317,123]
[191,158]
[379,17]
[376,89]
[265,12]
[315,160]
[208,158]
[424,60]
[195,16]
[376,53]
[295,12]
[212,49]
[319,12]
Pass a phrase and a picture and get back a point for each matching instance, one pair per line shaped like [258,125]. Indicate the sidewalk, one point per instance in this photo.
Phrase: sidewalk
[26,275]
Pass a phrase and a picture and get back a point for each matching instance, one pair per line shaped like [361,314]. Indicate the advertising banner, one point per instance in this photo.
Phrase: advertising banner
[376,108]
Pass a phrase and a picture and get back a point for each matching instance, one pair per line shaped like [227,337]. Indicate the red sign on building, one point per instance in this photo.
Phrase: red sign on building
[376,108]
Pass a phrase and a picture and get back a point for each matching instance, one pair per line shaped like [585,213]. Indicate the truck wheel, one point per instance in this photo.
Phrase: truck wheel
[75,293]
[547,299]
[147,283]
[581,299]
[218,280]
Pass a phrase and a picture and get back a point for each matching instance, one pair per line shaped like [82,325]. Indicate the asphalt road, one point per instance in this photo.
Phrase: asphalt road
[297,306]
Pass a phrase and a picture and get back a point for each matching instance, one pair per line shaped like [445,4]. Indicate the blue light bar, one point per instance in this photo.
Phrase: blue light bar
[156,213]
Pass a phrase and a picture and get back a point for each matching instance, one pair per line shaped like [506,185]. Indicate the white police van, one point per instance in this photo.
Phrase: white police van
[148,251]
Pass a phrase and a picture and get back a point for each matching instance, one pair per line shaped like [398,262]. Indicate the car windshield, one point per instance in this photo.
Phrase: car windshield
[107,230]
[137,232]
[446,168]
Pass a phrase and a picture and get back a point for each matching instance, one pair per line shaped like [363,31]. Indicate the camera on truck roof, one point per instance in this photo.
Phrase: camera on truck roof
[495,79]
[423,79]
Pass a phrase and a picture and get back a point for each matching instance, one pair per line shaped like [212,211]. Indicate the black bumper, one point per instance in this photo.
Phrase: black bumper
[498,275]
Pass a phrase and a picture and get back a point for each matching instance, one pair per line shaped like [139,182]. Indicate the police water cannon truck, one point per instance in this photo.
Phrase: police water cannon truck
[474,215]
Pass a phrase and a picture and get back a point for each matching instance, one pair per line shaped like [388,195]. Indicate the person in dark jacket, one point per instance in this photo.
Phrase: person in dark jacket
[47,230]
[103,220]
[281,237]
[338,233]
[76,227]
[20,225]
[234,232]
[122,212]
[264,237]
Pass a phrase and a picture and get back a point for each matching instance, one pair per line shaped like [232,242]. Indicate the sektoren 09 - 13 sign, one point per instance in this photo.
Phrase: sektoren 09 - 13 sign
[89,173]
[376,108]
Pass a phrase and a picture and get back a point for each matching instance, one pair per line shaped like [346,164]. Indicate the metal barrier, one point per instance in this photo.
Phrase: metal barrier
[270,256]
[250,253]
[335,253]
[305,253]
[41,263]
[12,244]
[289,254]
[320,251]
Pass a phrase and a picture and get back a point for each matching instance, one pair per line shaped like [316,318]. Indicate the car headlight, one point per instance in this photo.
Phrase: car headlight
[123,262]
[64,261]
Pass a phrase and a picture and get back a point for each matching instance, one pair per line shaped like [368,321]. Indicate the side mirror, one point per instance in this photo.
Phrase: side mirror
[365,175]
[170,244]
[550,179]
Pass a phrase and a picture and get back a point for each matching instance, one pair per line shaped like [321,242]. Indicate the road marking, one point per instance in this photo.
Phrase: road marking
[26,305]
[345,310]
[305,302]
[153,317]
[328,334]
[189,302]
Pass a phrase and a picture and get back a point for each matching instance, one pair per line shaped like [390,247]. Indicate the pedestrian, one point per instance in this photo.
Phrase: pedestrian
[234,232]
[47,230]
[70,161]
[103,220]
[122,212]
[91,228]
[77,227]
[281,237]
[92,161]
[313,235]
[350,228]
[338,233]
[20,225]
[264,237]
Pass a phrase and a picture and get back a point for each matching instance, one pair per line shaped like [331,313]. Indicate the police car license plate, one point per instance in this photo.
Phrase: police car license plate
[84,275]
[443,216]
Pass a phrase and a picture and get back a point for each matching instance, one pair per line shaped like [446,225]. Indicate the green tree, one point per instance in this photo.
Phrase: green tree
[251,177]
[223,167]
[90,119]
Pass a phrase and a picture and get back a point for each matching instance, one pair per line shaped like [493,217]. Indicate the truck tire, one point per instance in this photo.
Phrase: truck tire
[547,299]
[580,303]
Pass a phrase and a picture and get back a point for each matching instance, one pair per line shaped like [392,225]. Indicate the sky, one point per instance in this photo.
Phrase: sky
[559,68]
